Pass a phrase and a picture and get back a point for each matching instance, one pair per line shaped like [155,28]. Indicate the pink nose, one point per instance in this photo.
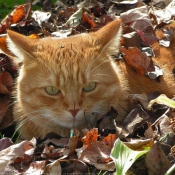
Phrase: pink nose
[74,111]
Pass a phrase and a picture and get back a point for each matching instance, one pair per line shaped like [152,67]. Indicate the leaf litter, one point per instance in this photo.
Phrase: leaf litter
[151,127]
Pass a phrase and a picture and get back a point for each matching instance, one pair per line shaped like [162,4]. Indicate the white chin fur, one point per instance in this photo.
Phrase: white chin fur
[67,120]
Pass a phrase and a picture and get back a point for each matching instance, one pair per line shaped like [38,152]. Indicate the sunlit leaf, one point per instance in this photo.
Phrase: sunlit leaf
[162,99]
[75,19]
[124,157]
[90,137]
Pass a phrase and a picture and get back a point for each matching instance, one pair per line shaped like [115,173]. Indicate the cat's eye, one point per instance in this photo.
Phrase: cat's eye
[89,87]
[52,90]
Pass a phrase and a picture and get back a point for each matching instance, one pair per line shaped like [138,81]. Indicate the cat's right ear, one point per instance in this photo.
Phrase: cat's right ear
[21,46]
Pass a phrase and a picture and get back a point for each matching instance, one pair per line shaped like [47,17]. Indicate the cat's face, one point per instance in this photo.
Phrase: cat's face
[64,81]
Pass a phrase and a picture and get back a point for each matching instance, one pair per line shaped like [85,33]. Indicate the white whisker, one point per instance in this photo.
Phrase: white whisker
[101,75]
[99,56]
[98,66]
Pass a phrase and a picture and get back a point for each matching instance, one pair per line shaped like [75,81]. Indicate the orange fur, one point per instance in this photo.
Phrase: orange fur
[69,64]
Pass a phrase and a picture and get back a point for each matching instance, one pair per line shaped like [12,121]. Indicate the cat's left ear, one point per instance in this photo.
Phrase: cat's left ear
[108,37]
[21,46]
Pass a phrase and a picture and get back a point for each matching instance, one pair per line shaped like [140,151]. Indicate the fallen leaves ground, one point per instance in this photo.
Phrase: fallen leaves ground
[142,127]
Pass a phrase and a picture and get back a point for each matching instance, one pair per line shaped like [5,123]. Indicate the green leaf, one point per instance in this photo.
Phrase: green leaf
[124,157]
[162,99]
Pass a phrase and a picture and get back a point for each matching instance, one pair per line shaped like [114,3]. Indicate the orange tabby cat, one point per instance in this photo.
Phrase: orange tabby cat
[63,81]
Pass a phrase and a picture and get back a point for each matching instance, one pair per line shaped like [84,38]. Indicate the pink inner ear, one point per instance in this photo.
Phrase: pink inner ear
[6,83]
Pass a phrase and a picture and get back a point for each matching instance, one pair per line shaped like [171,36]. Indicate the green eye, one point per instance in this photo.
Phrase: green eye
[89,87]
[52,90]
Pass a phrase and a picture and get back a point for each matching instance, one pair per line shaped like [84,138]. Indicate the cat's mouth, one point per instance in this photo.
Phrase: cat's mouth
[70,120]
[81,118]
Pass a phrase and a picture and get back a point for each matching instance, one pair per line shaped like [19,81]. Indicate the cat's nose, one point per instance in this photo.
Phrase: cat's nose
[74,111]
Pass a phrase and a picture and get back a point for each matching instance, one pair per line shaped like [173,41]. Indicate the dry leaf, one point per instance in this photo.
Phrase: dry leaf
[149,133]
[156,161]
[8,155]
[5,143]
[6,83]
[5,115]
[15,16]
[36,168]
[138,144]
[22,163]
[18,14]
[135,119]
[98,154]
[135,14]
[142,98]
[90,137]
[72,144]
[109,140]
[53,168]
[136,59]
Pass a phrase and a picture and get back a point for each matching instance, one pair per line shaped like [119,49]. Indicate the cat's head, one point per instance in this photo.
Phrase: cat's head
[64,80]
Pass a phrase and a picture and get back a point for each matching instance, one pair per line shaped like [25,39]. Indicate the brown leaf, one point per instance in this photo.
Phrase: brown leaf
[72,144]
[131,39]
[50,152]
[164,125]
[135,119]
[8,155]
[61,142]
[136,14]
[156,161]
[22,163]
[173,151]
[136,59]
[6,83]
[149,133]
[98,154]
[107,122]
[5,115]
[36,167]
[53,168]
[5,143]
[142,98]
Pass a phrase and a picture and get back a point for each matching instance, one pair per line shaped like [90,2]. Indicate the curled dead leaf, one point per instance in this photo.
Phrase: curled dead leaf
[6,83]
[15,16]
[98,154]
[136,59]
[109,140]
[90,137]
[53,168]
[156,161]
[8,155]
[5,118]
[5,143]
